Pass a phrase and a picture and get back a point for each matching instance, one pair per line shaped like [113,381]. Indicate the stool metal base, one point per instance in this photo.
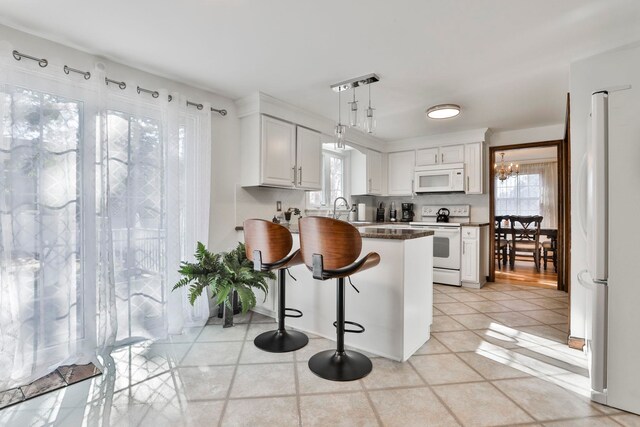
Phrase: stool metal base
[335,366]
[281,341]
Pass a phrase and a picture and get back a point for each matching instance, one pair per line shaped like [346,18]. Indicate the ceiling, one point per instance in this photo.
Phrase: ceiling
[506,62]
[528,154]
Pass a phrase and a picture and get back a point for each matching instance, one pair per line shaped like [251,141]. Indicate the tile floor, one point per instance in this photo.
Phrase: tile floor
[496,357]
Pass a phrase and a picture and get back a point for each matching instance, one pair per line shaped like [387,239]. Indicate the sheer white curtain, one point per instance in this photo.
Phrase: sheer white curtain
[548,193]
[102,193]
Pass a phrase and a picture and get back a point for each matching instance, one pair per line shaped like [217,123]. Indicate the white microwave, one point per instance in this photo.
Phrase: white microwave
[439,178]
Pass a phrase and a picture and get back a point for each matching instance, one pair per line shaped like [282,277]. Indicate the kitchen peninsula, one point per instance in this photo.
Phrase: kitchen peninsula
[395,299]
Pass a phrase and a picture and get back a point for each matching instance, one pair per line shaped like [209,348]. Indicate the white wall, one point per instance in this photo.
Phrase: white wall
[521,136]
[618,67]
[225,130]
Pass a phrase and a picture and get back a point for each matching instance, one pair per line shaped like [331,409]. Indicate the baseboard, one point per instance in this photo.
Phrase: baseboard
[576,343]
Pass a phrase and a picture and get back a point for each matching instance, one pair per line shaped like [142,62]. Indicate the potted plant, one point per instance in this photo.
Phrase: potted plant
[224,273]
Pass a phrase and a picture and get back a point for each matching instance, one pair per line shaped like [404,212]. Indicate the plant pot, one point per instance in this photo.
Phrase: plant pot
[227,313]
[237,307]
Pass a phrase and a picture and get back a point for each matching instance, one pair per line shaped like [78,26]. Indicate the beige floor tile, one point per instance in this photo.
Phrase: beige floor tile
[459,340]
[189,414]
[275,411]
[454,308]
[445,323]
[205,382]
[443,369]
[264,380]
[468,297]
[551,293]
[547,316]
[187,335]
[497,296]
[314,346]
[311,383]
[546,401]
[344,409]
[388,373]
[261,318]
[219,353]
[545,331]
[212,333]
[440,298]
[473,321]
[411,407]
[252,354]
[548,303]
[563,327]
[519,305]
[433,346]
[522,294]
[487,306]
[437,312]
[492,366]
[627,420]
[514,319]
[446,289]
[238,319]
[583,422]
[481,404]
[256,329]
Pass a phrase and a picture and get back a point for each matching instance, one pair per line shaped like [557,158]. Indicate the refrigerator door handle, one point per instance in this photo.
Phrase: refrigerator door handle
[582,196]
[596,339]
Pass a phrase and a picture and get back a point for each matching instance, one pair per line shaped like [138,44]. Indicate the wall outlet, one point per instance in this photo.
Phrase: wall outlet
[279,206]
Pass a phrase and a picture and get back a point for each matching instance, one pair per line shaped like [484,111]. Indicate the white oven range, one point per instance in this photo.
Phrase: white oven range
[446,241]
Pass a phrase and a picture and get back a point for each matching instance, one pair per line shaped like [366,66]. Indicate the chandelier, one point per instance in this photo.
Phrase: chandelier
[503,171]
[354,120]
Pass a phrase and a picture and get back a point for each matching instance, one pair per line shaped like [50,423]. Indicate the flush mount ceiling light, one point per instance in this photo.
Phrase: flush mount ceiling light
[443,111]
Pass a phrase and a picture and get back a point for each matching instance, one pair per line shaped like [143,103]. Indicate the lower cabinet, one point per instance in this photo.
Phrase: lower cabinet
[474,263]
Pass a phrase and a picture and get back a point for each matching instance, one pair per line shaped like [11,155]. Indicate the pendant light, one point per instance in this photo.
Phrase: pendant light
[340,128]
[369,121]
[353,111]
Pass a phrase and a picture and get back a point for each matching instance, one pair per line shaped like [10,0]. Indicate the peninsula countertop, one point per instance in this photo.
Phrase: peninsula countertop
[370,231]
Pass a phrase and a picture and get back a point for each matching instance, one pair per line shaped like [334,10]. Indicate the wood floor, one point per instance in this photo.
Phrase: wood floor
[524,273]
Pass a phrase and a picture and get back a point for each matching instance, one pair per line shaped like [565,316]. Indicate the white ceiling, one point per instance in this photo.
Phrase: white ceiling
[528,154]
[506,62]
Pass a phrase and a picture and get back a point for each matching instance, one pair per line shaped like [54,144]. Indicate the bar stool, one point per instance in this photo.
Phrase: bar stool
[268,246]
[330,249]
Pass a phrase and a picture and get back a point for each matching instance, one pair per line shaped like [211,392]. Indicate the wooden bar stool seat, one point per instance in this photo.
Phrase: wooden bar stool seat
[268,246]
[330,249]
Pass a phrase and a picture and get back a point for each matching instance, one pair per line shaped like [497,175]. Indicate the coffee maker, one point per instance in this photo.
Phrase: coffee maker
[407,212]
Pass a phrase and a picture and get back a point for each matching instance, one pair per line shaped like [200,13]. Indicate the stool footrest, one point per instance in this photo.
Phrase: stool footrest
[351,331]
[298,312]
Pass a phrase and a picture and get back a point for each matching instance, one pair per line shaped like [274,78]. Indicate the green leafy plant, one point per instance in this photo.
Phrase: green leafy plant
[223,273]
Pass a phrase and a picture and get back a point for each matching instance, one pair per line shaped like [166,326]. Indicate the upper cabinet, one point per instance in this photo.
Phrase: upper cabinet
[276,153]
[474,168]
[400,173]
[440,155]
[366,173]
[308,159]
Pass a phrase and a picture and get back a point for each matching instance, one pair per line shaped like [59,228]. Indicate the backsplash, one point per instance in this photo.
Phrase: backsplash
[479,203]
[260,202]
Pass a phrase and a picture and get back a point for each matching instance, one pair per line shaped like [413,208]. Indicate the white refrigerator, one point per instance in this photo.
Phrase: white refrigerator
[609,192]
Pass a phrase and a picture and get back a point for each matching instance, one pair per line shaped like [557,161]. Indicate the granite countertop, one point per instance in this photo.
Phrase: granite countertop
[475,224]
[373,232]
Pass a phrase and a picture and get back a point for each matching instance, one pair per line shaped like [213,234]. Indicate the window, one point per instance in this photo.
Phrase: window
[333,180]
[520,195]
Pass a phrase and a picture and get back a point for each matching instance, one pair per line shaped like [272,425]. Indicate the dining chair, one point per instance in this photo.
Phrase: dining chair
[525,238]
[500,238]
[550,246]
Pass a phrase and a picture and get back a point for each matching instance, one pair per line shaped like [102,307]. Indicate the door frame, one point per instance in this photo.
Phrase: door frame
[562,162]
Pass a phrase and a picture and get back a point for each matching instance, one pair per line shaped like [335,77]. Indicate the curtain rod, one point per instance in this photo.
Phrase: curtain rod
[42,62]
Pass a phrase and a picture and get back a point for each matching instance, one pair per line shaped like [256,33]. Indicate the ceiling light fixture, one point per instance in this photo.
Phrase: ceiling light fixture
[503,172]
[443,111]
[353,112]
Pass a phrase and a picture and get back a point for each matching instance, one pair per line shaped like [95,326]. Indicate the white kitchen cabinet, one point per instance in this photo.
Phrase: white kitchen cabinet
[451,154]
[474,168]
[276,153]
[308,159]
[440,155]
[427,156]
[366,172]
[401,173]
[474,262]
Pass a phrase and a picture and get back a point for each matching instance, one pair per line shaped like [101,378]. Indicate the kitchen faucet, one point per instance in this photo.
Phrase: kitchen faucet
[346,202]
